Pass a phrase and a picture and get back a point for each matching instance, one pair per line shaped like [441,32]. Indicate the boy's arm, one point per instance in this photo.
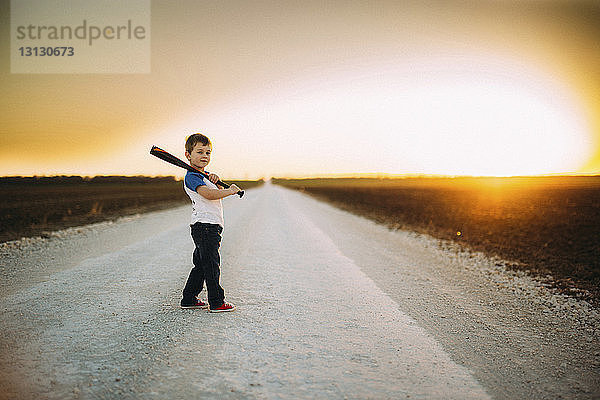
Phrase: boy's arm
[216,194]
[214,178]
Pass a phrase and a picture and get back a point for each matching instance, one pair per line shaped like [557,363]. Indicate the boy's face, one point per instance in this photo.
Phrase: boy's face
[200,156]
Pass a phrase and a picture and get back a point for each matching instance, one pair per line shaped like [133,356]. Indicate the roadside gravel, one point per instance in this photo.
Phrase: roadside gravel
[520,337]
[32,260]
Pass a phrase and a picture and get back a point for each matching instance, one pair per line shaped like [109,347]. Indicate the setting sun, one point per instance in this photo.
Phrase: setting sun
[395,88]
[479,117]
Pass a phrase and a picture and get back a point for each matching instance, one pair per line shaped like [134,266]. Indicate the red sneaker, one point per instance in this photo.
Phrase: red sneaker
[197,303]
[223,308]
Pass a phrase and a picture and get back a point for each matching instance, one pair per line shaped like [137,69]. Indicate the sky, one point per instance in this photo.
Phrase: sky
[319,88]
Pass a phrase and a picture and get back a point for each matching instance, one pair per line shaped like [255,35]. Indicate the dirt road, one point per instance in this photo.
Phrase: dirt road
[330,305]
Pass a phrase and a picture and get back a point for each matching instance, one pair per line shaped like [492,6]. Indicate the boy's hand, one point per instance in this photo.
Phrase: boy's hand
[234,188]
[214,178]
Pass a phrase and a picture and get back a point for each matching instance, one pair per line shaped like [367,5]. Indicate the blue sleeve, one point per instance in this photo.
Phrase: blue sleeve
[192,181]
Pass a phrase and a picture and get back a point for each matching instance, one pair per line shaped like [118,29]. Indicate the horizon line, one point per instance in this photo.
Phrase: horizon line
[327,176]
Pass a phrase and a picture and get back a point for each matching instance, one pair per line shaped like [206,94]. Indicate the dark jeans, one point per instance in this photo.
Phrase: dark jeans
[207,238]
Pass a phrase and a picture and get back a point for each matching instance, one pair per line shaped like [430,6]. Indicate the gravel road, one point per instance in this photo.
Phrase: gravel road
[330,305]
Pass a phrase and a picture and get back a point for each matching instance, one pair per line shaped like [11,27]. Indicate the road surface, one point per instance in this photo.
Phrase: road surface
[329,305]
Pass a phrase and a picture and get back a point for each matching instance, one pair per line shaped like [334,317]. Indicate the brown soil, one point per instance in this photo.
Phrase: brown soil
[34,206]
[546,225]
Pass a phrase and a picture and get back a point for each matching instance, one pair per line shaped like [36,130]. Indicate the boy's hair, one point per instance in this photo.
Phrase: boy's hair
[194,139]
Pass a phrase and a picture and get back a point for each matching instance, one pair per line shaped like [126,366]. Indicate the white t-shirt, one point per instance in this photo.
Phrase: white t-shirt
[203,210]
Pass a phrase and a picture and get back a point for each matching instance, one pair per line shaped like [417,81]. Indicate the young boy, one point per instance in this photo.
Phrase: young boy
[206,226]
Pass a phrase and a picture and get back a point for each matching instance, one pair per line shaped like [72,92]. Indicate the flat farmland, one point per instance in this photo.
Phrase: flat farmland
[545,225]
[33,206]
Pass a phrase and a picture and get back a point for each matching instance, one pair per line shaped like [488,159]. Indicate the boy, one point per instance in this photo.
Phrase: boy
[206,226]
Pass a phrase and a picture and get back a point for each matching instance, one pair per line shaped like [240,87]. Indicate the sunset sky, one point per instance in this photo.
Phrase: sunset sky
[305,88]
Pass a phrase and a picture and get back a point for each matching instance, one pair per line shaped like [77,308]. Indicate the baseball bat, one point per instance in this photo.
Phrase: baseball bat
[170,158]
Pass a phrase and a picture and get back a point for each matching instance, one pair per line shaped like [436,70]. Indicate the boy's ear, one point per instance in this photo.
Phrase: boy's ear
[187,155]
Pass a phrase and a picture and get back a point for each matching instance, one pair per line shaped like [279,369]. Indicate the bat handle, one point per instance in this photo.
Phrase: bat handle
[225,185]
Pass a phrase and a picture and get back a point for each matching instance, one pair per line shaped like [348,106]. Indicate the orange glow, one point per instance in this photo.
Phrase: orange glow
[462,88]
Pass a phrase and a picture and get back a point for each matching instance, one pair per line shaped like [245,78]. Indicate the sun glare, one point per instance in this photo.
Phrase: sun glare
[478,118]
